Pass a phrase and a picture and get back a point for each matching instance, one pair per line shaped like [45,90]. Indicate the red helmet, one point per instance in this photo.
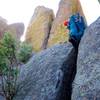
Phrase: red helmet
[66,23]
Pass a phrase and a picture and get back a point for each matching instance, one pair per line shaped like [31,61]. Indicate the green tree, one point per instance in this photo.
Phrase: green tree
[10,55]
[8,66]
[24,52]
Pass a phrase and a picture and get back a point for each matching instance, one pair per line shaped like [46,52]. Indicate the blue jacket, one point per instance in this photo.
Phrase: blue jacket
[76,27]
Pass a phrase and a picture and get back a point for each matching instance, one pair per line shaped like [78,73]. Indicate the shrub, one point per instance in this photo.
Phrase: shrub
[25,52]
[8,66]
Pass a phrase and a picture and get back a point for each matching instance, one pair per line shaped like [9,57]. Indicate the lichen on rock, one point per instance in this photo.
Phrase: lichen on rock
[39,28]
[58,32]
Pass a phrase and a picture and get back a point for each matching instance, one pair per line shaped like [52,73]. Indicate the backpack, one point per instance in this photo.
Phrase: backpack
[79,20]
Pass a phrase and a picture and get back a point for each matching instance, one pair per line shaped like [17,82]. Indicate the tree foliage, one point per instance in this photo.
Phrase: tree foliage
[8,66]
[11,53]
[24,52]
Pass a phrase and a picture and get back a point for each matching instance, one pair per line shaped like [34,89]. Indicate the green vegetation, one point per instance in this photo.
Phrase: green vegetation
[11,54]
[8,66]
[24,52]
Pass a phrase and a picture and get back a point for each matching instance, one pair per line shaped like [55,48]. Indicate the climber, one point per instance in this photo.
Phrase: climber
[76,26]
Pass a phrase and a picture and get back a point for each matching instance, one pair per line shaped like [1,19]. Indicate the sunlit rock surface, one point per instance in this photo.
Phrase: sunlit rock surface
[59,32]
[39,28]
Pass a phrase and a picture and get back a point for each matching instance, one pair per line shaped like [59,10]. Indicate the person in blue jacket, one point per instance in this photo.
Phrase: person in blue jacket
[76,26]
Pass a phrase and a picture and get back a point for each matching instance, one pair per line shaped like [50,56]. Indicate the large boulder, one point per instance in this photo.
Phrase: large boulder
[2,98]
[3,25]
[66,9]
[48,75]
[39,28]
[87,81]
[16,29]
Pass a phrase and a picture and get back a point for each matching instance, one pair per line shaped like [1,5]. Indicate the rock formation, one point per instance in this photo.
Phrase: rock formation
[66,9]
[69,71]
[48,75]
[3,25]
[87,81]
[16,29]
[39,28]
[2,98]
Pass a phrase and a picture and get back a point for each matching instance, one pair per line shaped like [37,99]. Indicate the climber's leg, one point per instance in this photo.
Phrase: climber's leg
[74,42]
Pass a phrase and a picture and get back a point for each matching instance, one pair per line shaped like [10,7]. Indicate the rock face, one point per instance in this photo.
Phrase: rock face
[48,75]
[16,29]
[69,71]
[39,28]
[87,81]
[2,98]
[3,25]
[66,9]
